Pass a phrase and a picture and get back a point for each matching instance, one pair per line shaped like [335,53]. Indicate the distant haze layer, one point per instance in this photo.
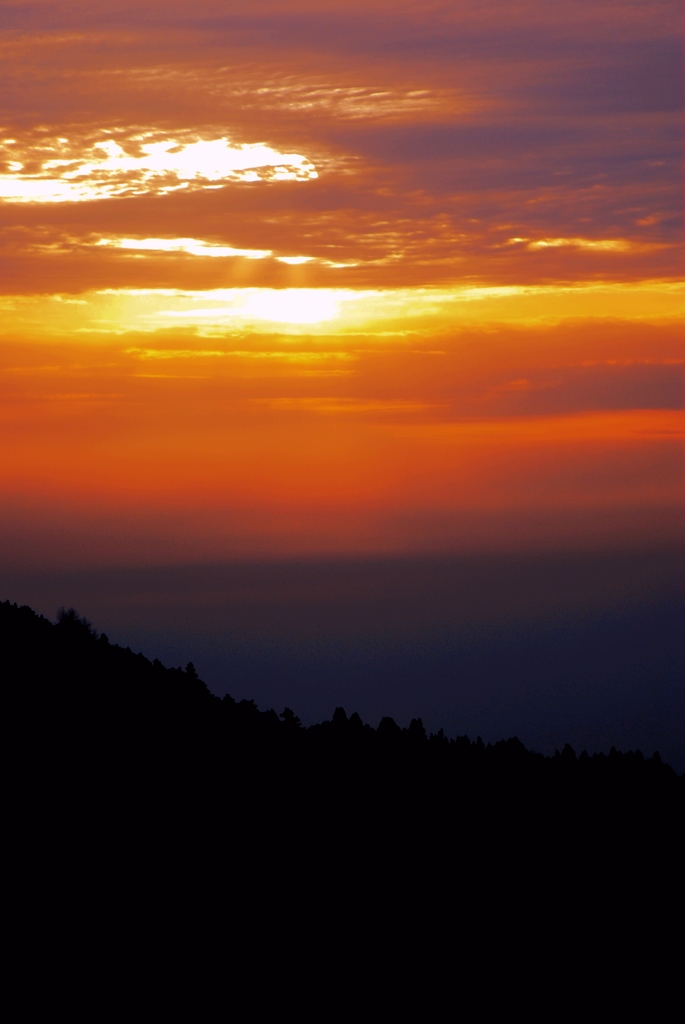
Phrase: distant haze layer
[586,649]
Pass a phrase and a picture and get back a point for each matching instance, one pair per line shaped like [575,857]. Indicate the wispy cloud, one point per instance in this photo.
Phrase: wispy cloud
[59,170]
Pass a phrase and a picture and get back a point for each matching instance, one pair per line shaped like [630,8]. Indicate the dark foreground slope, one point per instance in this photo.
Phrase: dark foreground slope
[144,806]
[124,748]
[96,708]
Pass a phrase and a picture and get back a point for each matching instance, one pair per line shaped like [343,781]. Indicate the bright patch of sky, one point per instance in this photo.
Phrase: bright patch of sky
[286,306]
[379,310]
[388,316]
[597,244]
[193,246]
[56,170]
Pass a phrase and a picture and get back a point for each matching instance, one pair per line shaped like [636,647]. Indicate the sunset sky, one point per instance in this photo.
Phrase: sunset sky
[295,278]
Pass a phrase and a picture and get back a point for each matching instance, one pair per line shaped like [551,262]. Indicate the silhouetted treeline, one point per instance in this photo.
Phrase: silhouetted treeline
[77,683]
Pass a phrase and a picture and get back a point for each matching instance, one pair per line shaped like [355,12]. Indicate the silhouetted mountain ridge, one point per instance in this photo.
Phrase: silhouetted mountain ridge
[73,677]
[129,778]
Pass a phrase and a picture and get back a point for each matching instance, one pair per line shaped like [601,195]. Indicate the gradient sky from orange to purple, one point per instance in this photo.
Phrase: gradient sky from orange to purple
[285,278]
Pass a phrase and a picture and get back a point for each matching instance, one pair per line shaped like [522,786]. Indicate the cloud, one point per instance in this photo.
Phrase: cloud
[192,246]
[60,170]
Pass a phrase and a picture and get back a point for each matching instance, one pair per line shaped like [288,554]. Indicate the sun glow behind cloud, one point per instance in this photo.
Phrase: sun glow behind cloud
[379,310]
[280,306]
[385,314]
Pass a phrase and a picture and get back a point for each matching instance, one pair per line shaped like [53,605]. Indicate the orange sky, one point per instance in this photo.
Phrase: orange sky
[281,278]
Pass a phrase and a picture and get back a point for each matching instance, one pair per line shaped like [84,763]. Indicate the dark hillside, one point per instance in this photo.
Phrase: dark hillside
[69,680]
[109,741]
